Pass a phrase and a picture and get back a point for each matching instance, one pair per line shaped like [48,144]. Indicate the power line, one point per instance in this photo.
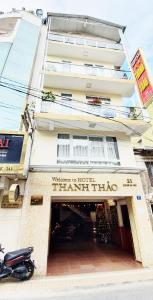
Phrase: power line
[78,101]
[40,91]
[116,121]
[97,115]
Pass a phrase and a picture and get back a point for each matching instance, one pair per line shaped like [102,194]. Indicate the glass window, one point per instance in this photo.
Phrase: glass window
[63,136]
[67,97]
[112,148]
[63,147]
[76,149]
[96,145]
[80,146]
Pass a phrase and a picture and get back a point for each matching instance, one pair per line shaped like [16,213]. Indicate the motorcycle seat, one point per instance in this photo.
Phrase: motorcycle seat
[15,254]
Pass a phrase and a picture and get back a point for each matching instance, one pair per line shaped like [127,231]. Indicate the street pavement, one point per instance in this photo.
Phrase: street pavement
[126,291]
[131,285]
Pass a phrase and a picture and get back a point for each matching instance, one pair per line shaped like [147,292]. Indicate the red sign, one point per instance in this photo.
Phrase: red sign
[4,143]
[144,86]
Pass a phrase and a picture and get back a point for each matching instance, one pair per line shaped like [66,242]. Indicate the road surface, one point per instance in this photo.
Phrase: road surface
[127,291]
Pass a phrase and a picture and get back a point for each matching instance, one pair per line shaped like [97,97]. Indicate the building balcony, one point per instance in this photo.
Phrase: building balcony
[83,48]
[72,115]
[64,75]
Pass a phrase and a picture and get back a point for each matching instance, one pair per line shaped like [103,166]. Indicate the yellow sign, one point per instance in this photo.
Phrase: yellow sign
[7,204]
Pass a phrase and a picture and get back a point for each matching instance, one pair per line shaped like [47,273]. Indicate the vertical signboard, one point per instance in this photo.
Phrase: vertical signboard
[142,79]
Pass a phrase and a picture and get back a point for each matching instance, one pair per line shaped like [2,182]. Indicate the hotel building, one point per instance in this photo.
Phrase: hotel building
[84,189]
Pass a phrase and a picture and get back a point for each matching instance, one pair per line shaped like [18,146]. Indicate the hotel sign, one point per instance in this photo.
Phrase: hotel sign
[142,79]
[12,152]
[87,184]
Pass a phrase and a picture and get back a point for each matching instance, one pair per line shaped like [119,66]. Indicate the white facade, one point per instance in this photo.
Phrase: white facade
[82,140]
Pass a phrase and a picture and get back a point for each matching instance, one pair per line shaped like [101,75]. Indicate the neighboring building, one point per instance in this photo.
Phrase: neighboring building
[22,44]
[143,146]
[144,160]
[83,170]
[20,34]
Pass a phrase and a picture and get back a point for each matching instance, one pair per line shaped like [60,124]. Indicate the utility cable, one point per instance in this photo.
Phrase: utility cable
[67,98]
[40,91]
[116,121]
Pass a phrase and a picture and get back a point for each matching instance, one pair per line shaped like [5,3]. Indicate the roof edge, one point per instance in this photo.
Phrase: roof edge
[85,17]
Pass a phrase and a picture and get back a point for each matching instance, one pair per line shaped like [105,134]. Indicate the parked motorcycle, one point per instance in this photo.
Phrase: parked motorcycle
[17,264]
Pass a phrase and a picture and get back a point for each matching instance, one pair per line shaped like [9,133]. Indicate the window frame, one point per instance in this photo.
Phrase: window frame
[90,161]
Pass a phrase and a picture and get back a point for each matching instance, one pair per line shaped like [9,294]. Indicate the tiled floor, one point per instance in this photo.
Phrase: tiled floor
[89,257]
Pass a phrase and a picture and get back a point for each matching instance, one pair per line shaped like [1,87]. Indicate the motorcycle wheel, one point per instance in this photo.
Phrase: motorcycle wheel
[30,271]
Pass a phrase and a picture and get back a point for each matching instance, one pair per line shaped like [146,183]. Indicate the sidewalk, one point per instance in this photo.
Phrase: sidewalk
[45,286]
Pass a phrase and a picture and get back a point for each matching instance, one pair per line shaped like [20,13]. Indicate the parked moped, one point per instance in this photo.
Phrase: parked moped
[17,264]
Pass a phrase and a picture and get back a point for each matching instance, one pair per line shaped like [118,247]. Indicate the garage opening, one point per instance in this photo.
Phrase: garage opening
[87,237]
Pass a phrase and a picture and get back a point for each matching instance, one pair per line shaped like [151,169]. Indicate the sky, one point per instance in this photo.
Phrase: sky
[137,15]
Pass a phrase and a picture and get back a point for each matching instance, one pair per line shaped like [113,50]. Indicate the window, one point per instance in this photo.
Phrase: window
[112,148]
[79,146]
[103,106]
[102,100]
[66,97]
[63,147]
[96,145]
[87,150]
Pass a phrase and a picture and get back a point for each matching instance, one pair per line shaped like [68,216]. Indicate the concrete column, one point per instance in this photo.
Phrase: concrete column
[134,231]
[144,230]
[35,222]
[119,213]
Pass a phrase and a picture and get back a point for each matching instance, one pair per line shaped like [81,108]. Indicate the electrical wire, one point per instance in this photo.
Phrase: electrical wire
[97,115]
[78,101]
[116,121]
[40,91]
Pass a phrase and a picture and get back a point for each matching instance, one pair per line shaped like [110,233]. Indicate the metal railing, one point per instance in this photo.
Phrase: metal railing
[84,41]
[70,107]
[65,67]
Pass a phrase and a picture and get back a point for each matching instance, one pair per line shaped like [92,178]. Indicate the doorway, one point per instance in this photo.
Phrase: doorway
[86,237]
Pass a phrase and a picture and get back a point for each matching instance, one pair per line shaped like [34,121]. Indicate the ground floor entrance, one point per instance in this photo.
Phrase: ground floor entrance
[90,236]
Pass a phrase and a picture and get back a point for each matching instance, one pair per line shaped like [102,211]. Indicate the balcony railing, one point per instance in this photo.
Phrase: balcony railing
[70,107]
[87,70]
[83,41]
